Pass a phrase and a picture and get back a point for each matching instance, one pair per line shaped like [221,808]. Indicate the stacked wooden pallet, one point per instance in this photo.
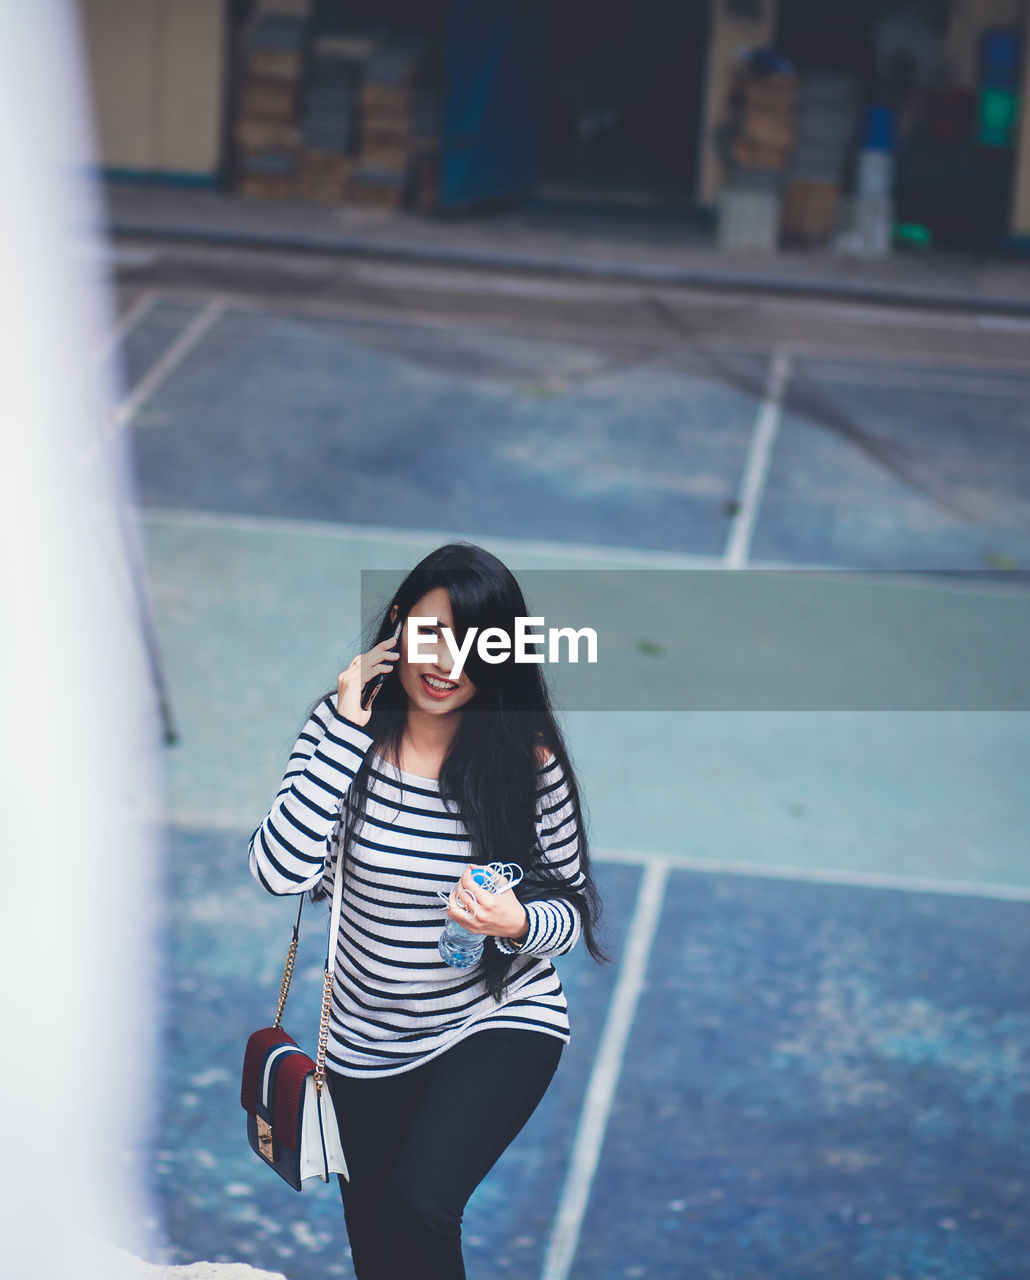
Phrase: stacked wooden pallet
[810,212]
[340,118]
[765,121]
[760,135]
[268,142]
[828,116]
[390,136]
[331,115]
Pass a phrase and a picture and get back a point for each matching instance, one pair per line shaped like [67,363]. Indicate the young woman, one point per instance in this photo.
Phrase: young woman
[433,1070]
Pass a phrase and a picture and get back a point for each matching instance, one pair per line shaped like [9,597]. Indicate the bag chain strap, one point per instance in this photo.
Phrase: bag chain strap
[291,956]
[327,987]
[323,1032]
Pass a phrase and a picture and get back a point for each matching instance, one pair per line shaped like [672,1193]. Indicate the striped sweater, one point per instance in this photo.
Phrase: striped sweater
[396,1004]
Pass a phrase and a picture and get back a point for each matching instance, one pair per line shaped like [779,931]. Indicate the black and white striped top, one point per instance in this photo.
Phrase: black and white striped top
[396,1004]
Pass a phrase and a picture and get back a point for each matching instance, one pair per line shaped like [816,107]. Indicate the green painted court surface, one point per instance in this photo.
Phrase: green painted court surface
[811,1056]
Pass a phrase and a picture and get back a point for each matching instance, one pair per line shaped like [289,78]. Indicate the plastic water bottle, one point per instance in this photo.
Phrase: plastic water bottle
[460,948]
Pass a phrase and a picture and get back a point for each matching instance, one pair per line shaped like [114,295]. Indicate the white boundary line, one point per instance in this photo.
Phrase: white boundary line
[604,557]
[712,866]
[137,313]
[756,467]
[832,371]
[819,875]
[172,358]
[609,557]
[406,537]
[604,1077]
[1003,324]
[295,307]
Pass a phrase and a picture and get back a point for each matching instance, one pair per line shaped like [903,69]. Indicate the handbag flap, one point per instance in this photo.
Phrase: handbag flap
[287,1073]
[291,1072]
[257,1050]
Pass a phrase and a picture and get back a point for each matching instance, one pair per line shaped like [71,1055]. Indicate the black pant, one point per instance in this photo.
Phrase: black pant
[420,1142]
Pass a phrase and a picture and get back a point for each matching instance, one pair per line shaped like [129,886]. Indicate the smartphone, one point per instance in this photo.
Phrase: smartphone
[372,688]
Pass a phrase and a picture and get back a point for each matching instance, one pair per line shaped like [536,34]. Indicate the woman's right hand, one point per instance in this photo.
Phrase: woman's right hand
[379,660]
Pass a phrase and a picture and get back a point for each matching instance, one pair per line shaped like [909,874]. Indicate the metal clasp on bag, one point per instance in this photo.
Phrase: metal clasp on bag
[264,1134]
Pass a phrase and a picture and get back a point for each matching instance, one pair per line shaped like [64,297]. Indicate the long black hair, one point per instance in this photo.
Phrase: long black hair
[489,776]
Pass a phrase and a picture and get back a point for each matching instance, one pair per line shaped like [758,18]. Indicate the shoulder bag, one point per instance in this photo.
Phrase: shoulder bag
[291,1121]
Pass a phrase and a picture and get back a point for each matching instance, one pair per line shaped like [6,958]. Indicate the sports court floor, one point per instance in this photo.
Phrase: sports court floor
[812,1055]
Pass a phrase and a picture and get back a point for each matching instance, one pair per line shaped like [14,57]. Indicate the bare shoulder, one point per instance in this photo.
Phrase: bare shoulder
[543,754]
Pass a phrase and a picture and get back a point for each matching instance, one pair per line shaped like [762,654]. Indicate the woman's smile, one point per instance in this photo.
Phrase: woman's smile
[436,686]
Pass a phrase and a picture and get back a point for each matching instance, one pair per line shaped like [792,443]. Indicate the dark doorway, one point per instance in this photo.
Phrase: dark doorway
[817,36]
[420,17]
[622,87]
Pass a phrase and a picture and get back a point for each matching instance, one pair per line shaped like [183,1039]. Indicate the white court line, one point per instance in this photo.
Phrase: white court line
[972,385]
[756,467]
[604,1077]
[172,358]
[900,317]
[610,557]
[476,283]
[709,866]
[138,312]
[819,875]
[572,335]
[1003,324]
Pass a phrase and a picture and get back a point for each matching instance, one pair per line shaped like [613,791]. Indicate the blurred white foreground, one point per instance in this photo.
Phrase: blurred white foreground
[79,914]
[116,1264]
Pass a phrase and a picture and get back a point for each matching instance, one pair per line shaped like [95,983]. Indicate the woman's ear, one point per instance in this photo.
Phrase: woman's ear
[393,613]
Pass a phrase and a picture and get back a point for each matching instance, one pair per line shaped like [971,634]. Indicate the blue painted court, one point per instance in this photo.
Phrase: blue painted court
[811,1057]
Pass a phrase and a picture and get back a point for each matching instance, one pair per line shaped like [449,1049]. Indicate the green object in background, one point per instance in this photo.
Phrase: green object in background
[912,234]
[999,560]
[998,111]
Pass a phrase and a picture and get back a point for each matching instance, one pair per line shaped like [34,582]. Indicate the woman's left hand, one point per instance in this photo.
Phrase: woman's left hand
[480,911]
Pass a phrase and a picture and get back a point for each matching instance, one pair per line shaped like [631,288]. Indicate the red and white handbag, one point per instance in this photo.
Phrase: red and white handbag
[291,1121]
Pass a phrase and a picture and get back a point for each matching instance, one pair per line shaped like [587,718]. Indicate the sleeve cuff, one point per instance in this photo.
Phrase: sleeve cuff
[539,935]
[353,732]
